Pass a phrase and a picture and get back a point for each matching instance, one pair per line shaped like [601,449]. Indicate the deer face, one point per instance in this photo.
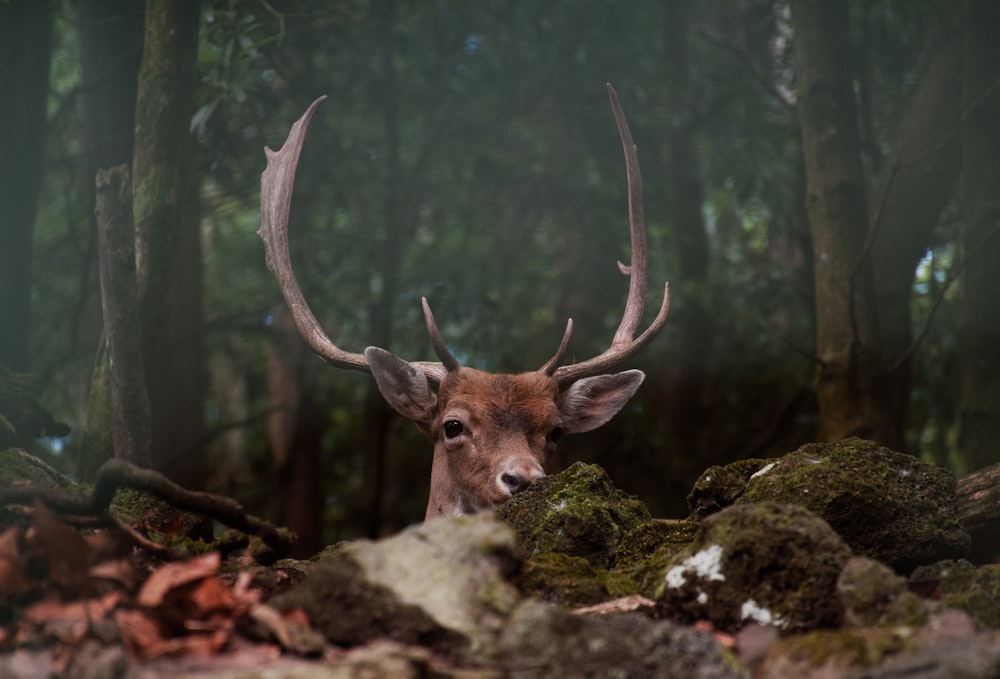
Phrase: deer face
[494,434]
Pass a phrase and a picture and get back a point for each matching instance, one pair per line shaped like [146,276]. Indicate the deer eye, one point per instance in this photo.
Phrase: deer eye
[453,428]
[556,434]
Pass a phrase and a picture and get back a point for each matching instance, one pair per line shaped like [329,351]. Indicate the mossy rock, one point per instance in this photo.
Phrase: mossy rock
[977,592]
[872,594]
[886,505]
[767,563]
[640,543]
[721,486]
[831,653]
[578,512]
[571,581]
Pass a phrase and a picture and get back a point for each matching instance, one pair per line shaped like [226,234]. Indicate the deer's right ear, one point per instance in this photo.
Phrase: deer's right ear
[403,386]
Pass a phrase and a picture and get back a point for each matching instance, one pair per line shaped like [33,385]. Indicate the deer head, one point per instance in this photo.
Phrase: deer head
[492,433]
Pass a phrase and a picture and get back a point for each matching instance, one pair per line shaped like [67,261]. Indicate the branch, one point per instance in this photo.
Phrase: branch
[956,270]
[117,474]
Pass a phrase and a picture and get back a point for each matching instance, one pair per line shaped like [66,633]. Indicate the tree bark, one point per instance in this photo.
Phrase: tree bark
[25,50]
[909,195]
[836,201]
[167,246]
[979,409]
[295,427]
[979,512]
[110,37]
[122,334]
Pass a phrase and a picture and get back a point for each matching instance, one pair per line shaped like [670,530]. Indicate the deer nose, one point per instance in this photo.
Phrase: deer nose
[517,477]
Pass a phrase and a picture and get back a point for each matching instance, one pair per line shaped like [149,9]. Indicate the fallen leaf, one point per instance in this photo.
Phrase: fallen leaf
[12,578]
[65,551]
[173,575]
[52,608]
[632,602]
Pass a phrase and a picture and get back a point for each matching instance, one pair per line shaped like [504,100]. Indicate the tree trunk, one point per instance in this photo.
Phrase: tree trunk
[913,188]
[693,327]
[296,423]
[167,251]
[836,202]
[979,409]
[126,379]
[110,37]
[25,50]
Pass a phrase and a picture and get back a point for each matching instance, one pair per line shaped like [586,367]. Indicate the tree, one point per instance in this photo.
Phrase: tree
[916,183]
[847,386]
[980,313]
[25,35]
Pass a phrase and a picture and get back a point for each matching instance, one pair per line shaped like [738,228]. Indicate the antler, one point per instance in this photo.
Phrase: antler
[624,344]
[276,185]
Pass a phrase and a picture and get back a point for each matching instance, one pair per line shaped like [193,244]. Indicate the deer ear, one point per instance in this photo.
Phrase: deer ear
[590,402]
[403,386]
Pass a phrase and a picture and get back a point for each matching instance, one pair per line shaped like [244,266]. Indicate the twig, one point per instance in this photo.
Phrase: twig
[956,269]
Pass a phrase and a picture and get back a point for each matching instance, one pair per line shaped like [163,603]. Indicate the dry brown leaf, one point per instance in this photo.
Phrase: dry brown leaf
[210,596]
[139,630]
[120,571]
[12,578]
[64,549]
[52,608]
[625,604]
[173,575]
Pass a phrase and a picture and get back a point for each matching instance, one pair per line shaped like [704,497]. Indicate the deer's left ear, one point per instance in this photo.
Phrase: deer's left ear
[590,402]
[403,386]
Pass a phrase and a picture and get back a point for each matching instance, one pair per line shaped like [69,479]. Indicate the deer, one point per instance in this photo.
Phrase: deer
[493,434]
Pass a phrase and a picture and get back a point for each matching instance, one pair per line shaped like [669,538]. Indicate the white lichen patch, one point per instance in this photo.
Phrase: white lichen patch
[763,470]
[751,610]
[704,564]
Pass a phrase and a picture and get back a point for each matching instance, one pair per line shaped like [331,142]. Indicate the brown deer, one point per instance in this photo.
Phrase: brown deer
[492,434]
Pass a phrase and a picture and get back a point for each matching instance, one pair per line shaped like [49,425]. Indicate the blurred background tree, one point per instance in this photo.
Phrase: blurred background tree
[468,154]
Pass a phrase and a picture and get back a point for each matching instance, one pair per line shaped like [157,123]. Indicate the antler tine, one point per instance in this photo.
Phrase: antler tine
[450,362]
[276,184]
[550,365]
[623,345]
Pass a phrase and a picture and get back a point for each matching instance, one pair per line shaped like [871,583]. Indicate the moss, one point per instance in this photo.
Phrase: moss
[720,486]
[640,543]
[977,592]
[841,649]
[886,505]
[776,564]
[871,594]
[578,512]
[569,581]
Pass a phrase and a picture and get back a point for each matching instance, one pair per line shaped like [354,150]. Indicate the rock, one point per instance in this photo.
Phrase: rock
[977,592]
[831,654]
[571,581]
[542,640]
[948,646]
[721,486]
[654,536]
[767,563]
[578,512]
[872,594]
[444,584]
[886,505]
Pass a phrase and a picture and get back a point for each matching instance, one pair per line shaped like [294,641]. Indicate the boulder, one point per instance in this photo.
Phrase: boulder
[578,512]
[886,505]
[444,585]
[542,640]
[767,563]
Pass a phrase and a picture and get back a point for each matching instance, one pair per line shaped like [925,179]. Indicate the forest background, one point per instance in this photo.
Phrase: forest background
[822,186]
